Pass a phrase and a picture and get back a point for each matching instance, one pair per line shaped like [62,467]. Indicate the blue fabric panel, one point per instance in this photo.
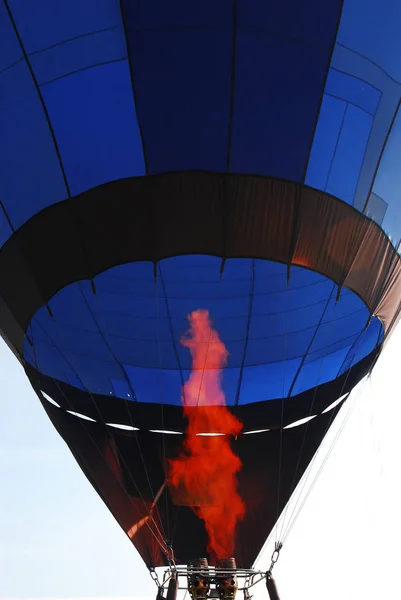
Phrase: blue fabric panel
[312,22]
[278,348]
[183,55]
[137,306]
[369,340]
[387,184]
[131,328]
[373,29]
[353,90]
[78,54]
[121,389]
[348,304]
[293,299]
[10,49]
[74,380]
[365,343]
[325,141]
[48,358]
[325,351]
[278,87]
[146,353]
[44,23]
[265,382]
[94,119]
[337,331]
[357,65]
[31,177]
[320,371]
[161,386]
[94,374]
[91,344]
[69,310]
[349,154]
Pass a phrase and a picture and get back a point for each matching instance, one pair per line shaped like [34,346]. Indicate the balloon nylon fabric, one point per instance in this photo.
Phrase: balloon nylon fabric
[233,157]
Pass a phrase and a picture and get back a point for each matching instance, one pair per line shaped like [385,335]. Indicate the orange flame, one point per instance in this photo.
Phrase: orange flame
[204,476]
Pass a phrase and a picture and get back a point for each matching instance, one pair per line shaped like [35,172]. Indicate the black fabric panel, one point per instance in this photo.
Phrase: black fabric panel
[154,217]
[114,462]
[260,415]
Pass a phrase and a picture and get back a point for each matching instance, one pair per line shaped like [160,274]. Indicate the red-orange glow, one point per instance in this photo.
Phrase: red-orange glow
[132,531]
[204,476]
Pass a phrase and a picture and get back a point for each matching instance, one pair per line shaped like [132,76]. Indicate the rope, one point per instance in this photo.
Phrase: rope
[94,443]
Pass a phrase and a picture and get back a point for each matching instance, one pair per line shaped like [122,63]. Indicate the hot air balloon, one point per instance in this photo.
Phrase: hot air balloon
[199,248]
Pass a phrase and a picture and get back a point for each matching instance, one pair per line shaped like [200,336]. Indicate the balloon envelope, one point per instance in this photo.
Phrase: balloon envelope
[160,158]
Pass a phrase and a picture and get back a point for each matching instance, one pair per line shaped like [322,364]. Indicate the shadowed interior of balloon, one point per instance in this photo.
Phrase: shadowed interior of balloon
[204,474]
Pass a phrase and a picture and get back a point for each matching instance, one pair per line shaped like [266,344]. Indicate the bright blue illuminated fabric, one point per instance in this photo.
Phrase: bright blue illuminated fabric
[96,91]
[125,340]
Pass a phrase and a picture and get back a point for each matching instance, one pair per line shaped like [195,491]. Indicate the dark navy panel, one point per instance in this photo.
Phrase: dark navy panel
[44,23]
[181,60]
[177,14]
[311,21]
[282,55]
[78,54]
[31,177]
[10,49]
[347,162]
[94,119]
[372,28]
[278,87]
[387,184]
[125,340]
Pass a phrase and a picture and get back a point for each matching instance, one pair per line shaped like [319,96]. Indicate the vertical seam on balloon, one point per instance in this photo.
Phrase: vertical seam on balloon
[177,356]
[352,348]
[311,342]
[323,89]
[42,101]
[232,88]
[383,148]
[57,383]
[88,474]
[248,326]
[225,215]
[326,183]
[364,156]
[3,208]
[108,345]
[133,86]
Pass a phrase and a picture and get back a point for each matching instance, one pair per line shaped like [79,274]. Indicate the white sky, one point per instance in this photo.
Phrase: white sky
[57,539]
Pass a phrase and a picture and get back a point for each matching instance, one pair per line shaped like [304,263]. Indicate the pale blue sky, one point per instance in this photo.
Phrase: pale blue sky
[57,540]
